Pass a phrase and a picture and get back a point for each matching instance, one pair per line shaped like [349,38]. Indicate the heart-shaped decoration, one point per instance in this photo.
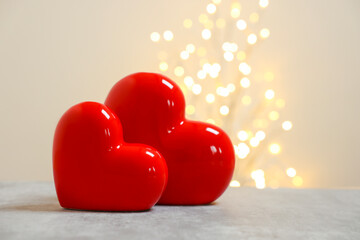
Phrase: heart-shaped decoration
[94,169]
[199,156]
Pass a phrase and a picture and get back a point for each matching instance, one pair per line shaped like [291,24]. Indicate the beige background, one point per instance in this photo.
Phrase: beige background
[54,54]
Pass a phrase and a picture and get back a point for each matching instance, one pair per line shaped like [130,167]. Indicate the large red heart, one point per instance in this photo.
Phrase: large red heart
[199,156]
[94,169]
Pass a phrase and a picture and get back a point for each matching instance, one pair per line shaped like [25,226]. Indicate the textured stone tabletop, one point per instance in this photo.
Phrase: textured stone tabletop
[31,211]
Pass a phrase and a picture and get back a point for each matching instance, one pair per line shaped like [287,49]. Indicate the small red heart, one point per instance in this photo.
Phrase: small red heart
[200,157]
[94,169]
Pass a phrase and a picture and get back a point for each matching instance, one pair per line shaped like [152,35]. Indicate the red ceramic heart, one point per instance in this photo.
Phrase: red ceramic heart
[199,156]
[94,169]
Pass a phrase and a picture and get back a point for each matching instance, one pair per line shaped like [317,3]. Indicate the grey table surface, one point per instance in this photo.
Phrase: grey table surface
[30,210]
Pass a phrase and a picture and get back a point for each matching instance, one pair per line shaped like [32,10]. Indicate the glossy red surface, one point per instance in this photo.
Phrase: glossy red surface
[94,169]
[199,156]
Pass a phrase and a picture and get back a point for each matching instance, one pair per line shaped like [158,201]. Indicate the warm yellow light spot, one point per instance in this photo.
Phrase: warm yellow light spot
[280,103]
[226,46]
[287,125]
[269,94]
[221,91]
[291,172]
[241,24]
[201,74]
[184,55]
[241,56]
[269,76]
[235,4]
[196,89]
[210,120]
[207,67]
[231,87]
[234,183]
[260,135]
[257,174]
[179,71]
[242,135]
[273,115]
[206,34]
[251,39]
[213,73]
[203,18]
[297,181]
[224,110]
[155,36]
[229,47]
[190,48]
[235,12]
[190,109]
[189,81]
[187,23]
[260,184]
[201,52]
[210,98]
[242,150]
[211,8]
[168,35]
[254,142]
[254,17]
[244,68]
[235,9]
[163,66]
[209,24]
[220,23]
[216,1]
[228,56]
[263,3]
[216,67]
[245,82]
[246,100]
[274,148]
[264,33]
[233,47]
[183,89]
